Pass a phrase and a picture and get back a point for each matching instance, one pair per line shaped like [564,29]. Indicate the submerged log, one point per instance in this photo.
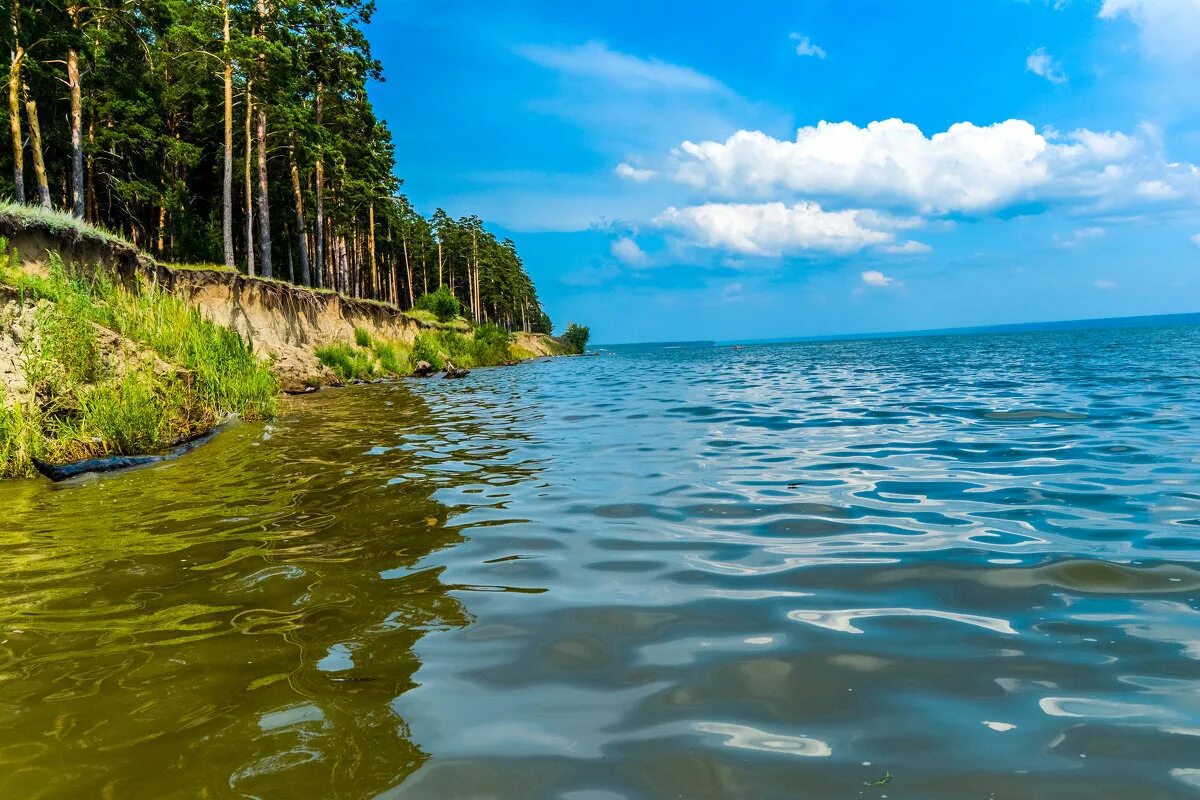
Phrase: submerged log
[62,472]
[423,369]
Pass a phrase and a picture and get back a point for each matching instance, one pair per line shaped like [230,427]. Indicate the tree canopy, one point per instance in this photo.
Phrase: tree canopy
[238,132]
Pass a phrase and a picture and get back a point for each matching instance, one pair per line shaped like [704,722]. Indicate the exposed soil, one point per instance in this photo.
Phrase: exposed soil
[283,322]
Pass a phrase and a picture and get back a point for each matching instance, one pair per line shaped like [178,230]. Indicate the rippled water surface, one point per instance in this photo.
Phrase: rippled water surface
[968,563]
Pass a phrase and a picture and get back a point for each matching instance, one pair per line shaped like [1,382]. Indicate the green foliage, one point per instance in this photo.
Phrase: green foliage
[492,345]
[441,303]
[362,337]
[153,115]
[130,413]
[93,399]
[393,357]
[576,337]
[425,348]
[347,361]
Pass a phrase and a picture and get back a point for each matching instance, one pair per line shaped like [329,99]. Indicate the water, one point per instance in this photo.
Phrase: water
[970,563]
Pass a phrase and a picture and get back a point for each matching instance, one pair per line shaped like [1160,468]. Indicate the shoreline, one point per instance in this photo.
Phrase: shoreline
[166,392]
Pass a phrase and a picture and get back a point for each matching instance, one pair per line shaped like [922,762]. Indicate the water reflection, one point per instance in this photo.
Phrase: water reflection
[240,620]
[778,572]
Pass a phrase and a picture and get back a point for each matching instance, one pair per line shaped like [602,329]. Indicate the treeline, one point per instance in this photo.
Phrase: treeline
[237,132]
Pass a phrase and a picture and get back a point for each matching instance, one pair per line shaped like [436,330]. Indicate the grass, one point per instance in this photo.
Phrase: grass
[368,357]
[181,375]
[349,362]
[58,221]
[458,324]
[197,267]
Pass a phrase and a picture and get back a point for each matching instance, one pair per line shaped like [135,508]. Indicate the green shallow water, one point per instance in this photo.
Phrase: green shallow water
[779,572]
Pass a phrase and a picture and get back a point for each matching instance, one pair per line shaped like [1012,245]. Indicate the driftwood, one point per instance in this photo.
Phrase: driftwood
[62,472]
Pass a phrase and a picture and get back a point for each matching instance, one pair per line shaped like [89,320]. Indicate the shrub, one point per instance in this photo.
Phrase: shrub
[442,303]
[393,357]
[425,348]
[576,337]
[347,362]
[126,414]
[492,346]
[362,337]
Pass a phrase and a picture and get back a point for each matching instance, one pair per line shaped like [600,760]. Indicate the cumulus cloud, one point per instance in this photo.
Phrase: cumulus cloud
[627,251]
[1169,29]
[1040,63]
[874,277]
[632,173]
[596,60]
[806,47]
[1104,284]
[966,169]
[774,229]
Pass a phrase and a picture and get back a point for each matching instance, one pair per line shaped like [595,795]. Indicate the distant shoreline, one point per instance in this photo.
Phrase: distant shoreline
[1100,323]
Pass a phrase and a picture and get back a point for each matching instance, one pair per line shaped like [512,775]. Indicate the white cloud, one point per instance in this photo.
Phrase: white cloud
[907,248]
[874,277]
[1156,190]
[1079,237]
[967,168]
[1104,284]
[596,60]
[774,229]
[632,173]
[1041,63]
[1169,29]
[806,47]
[1196,240]
[627,251]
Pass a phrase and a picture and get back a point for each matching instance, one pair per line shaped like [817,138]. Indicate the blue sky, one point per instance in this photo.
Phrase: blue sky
[715,170]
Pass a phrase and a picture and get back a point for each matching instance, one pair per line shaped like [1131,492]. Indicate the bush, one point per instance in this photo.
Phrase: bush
[393,357]
[347,361]
[576,337]
[492,346]
[362,337]
[425,348]
[442,303]
[127,414]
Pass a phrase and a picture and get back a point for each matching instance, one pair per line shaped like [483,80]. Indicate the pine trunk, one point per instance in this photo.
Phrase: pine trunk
[264,200]
[35,146]
[371,251]
[302,233]
[227,180]
[320,191]
[14,107]
[249,182]
[73,81]
[408,272]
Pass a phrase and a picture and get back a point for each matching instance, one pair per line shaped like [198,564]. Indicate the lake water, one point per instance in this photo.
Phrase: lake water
[968,563]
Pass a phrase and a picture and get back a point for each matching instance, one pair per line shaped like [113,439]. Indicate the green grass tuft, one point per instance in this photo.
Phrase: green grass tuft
[57,222]
[347,361]
[183,375]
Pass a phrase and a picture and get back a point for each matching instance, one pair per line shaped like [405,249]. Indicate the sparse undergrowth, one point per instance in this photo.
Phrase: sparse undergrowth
[370,357]
[169,373]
